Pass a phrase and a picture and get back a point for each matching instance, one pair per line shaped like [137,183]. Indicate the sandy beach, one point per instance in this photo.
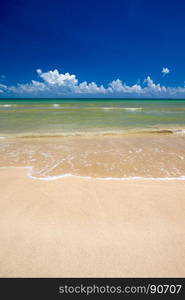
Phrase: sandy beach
[77,227]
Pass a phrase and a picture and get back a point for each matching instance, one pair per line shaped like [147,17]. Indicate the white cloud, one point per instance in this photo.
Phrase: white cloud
[55,84]
[3,86]
[165,71]
[117,86]
[152,88]
[55,78]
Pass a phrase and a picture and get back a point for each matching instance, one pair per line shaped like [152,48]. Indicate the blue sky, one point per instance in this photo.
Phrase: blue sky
[116,44]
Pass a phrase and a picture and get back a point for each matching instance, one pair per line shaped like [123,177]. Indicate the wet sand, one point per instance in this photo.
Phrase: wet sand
[77,227]
[119,156]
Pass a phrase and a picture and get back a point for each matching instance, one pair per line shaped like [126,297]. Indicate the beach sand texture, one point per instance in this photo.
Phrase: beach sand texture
[77,227]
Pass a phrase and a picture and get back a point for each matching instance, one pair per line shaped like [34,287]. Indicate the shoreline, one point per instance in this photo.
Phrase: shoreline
[79,227]
[126,132]
[67,175]
[155,157]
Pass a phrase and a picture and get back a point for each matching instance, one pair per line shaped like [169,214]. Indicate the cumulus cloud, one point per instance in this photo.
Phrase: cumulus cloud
[165,71]
[3,88]
[117,86]
[153,88]
[56,84]
[55,78]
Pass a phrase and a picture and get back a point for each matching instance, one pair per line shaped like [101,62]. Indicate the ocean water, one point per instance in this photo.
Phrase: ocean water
[100,138]
[74,116]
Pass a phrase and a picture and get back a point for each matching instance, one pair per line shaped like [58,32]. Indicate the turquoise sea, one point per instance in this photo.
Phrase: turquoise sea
[101,138]
[75,116]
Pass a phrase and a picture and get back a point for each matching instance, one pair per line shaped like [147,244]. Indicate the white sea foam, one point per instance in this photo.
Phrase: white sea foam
[124,108]
[51,178]
[98,132]
[55,177]
[56,105]
[179,131]
[7,105]
[133,108]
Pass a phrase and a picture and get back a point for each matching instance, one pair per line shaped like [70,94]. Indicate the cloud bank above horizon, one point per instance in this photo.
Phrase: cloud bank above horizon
[55,84]
[165,71]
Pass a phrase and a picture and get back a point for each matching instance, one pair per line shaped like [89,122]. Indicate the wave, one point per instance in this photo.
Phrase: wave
[7,105]
[31,175]
[55,177]
[96,108]
[130,131]
[179,131]
[133,108]
[52,178]
[66,134]
[124,108]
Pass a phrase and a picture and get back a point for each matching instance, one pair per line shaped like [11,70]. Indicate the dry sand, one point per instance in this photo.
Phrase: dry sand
[75,227]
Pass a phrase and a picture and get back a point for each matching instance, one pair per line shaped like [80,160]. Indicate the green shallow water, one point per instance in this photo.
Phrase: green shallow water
[59,116]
